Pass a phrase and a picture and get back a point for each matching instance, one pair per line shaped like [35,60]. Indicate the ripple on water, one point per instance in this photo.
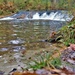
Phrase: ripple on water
[18,48]
[3,49]
[18,41]
[15,25]
[0,56]
[14,34]
[0,43]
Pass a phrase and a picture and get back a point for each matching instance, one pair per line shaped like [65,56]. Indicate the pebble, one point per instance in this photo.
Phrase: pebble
[2,73]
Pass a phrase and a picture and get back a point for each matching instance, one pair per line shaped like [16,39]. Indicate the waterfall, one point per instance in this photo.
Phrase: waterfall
[36,16]
[56,15]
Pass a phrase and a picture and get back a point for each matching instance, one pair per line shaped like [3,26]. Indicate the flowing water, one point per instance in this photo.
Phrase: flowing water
[56,15]
[24,35]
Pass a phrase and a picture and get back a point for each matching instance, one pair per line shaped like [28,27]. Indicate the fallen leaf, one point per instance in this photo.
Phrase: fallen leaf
[28,73]
[17,73]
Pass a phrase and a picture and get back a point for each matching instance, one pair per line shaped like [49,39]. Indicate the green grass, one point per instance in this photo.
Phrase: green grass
[56,62]
[68,33]
[45,60]
[42,62]
[37,5]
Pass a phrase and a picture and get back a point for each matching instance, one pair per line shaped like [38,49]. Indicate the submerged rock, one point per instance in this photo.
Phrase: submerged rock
[2,73]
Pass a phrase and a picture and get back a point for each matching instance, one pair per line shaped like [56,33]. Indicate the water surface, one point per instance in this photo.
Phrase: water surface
[26,35]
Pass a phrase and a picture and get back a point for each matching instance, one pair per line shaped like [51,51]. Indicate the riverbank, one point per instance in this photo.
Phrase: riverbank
[13,6]
[17,60]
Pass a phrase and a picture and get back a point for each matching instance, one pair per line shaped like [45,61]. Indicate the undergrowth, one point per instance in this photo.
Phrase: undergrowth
[68,32]
[46,60]
[13,5]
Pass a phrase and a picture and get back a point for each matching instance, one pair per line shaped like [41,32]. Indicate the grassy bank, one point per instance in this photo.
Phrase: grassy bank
[65,35]
[68,32]
[12,6]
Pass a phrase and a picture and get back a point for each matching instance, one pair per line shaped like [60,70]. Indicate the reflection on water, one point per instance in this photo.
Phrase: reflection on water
[23,35]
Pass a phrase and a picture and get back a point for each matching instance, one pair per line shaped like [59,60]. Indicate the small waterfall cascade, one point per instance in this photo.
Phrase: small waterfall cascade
[51,16]
[59,15]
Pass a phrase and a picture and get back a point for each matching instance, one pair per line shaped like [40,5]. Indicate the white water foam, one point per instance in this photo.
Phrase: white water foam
[53,16]
[57,16]
[7,18]
[36,16]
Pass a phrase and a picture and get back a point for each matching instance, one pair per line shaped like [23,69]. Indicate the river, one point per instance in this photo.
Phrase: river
[21,40]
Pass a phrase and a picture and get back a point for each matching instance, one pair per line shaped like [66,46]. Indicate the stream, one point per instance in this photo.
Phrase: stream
[22,39]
